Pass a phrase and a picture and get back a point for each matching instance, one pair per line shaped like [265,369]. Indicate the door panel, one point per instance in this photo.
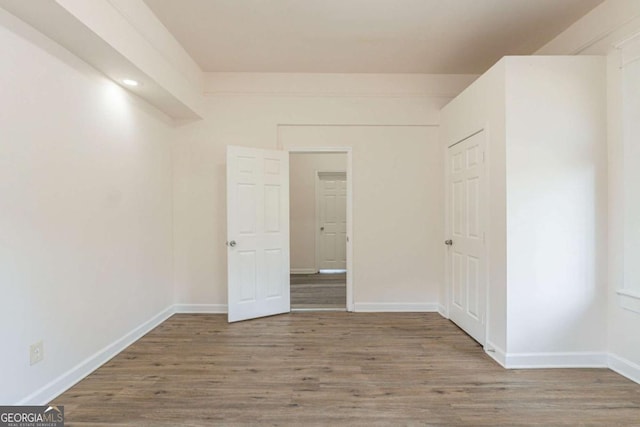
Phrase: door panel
[257,232]
[456,274]
[466,255]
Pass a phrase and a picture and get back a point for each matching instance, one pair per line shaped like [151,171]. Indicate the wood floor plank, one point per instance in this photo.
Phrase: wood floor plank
[335,369]
[319,291]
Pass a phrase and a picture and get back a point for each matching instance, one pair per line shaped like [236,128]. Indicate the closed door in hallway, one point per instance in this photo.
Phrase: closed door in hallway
[332,221]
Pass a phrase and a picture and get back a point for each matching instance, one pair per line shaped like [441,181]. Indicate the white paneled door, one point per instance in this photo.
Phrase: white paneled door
[257,232]
[466,246]
[332,220]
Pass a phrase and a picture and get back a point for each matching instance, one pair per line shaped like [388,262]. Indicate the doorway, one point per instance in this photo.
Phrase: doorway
[319,199]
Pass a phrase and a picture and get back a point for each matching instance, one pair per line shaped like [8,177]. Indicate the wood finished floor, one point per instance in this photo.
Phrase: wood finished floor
[335,369]
[319,291]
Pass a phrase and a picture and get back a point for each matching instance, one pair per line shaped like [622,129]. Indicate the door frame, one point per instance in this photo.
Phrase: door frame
[317,189]
[485,192]
[348,152]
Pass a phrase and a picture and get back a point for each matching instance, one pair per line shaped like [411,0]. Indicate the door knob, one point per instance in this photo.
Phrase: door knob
[448,242]
[231,243]
[321,228]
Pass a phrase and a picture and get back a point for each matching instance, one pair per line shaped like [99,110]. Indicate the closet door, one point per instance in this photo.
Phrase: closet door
[466,246]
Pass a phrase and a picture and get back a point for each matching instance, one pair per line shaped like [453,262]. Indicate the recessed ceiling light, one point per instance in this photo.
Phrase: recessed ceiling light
[130,82]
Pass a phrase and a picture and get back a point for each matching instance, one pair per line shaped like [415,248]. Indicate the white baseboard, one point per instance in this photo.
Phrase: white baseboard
[74,375]
[556,360]
[376,307]
[303,271]
[624,367]
[200,308]
[443,311]
[496,353]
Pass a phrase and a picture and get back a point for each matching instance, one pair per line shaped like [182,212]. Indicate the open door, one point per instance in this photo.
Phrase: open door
[257,232]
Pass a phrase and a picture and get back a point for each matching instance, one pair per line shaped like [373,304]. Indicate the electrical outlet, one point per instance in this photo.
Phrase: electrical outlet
[36,352]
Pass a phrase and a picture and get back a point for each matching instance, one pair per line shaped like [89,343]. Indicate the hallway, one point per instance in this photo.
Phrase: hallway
[319,291]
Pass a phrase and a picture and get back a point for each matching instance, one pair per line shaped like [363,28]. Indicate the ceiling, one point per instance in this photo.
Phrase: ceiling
[363,36]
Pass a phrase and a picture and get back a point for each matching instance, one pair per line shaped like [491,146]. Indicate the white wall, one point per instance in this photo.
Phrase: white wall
[302,203]
[598,33]
[631,133]
[398,231]
[556,205]
[251,110]
[85,211]
[623,324]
